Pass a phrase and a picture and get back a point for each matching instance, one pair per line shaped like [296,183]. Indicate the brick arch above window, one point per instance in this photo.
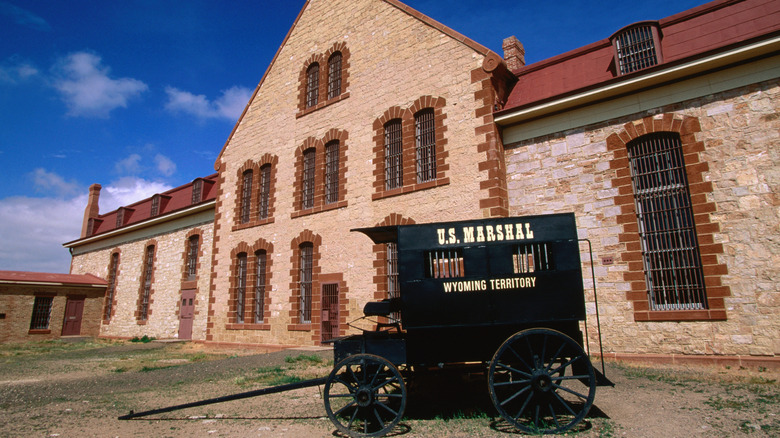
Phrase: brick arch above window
[706,228]
[319,203]
[109,306]
[188,280]
[258,213]
[406,176]
[323,97]
[305,238]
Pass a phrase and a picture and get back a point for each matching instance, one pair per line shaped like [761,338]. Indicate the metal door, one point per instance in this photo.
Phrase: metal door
[186,313]
[330,311]
[74,308]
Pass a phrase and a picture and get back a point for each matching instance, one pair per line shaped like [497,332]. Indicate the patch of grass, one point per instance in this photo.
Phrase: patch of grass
[143,339]
[197,357]
[304,358]
[146,369]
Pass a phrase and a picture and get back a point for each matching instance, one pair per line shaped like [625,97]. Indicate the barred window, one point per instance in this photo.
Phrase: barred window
[265,190]
[193,245]
[533,257]
[393,287]
[146,285]
[241,274]
[246,196]
[260,264]
[670,249]
[305,281]
[393,155]
[332,172]
[425,145]
[444,264]
[113,267]
[41,313]
[312,85]
[635,48]
[307,188]
[120,217]
[334,75]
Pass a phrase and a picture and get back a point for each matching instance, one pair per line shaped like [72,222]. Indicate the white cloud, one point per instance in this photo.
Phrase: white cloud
[51,183]
[228,106]
[32,230]
[15,70]
[128,165]
[24,17]
[165,165]
[128,190]
[86,88]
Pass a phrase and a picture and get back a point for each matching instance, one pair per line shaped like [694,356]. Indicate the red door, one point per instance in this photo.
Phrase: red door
[330,311]
[74,308]
[186,313]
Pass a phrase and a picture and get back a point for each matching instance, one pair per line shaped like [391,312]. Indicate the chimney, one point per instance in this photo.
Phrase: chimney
[514,53]
[92,210]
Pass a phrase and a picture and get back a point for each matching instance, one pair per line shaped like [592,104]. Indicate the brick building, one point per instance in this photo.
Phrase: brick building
[38,306]
[384,116]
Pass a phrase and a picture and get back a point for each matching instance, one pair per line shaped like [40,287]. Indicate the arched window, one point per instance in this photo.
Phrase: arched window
[334,75]
[425,145]
[246,196]
[113,268]
[332,172]
[265,190]
[307,187]
[670,250]
[260,278]
[636,47]
[193,245]
[305,282]
[240,295]
[394,176]
[146,284]
[312,85]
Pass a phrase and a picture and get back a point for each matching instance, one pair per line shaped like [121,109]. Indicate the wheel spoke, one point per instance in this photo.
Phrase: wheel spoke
[570,391]
[557,354]
[565,404]
[519,357]
[349,405]
[514,370]
[520,392]
[522,408]
[552,413]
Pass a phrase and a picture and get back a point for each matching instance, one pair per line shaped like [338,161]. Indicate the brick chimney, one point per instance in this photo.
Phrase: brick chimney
[92,210]
[514,53]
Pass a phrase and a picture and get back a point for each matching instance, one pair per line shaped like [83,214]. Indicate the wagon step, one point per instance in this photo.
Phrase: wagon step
[239,396]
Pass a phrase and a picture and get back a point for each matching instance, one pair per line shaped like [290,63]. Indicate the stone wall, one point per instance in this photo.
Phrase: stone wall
[395,60]
[167,282]
[738,133]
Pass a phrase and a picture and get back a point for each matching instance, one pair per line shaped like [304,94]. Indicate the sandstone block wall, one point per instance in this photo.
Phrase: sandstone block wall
[394,60]
[572,171]
[167,282]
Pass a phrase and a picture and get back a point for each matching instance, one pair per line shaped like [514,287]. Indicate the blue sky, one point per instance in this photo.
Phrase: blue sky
[141,95]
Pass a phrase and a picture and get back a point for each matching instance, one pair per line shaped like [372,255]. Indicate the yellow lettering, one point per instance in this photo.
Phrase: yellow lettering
[480,233]
[509,233]
[468,234]
[519,229]
[490,236]
[499,233]
[528,233]
[440,233]
[452,238]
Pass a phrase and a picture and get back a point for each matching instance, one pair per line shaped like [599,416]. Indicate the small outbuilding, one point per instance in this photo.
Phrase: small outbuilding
[38,306]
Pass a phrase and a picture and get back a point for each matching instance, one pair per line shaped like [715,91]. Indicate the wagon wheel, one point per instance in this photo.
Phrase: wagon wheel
[541,381]
[365,396]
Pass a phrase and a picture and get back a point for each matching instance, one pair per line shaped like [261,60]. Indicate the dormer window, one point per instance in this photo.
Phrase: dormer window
[155,205]
[637,47]
[197,191]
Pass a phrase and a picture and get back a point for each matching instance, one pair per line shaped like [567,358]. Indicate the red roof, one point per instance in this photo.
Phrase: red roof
[687,35]
[23,277]
[178,198]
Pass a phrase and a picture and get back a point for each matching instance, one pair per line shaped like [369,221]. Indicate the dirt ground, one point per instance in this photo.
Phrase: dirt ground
[60,389]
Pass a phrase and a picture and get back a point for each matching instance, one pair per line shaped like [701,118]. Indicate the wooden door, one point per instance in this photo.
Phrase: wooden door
[330,311]
[74,308]
[186,313]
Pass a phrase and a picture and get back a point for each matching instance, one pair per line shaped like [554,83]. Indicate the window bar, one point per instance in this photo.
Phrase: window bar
[306,284]
[265,190]
[41,313]
[334,75]
[307,200]
[246,196]
[332,172]
[312,85]
[148,267]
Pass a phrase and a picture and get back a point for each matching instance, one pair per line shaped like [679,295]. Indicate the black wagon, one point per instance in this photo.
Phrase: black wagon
[502,296]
